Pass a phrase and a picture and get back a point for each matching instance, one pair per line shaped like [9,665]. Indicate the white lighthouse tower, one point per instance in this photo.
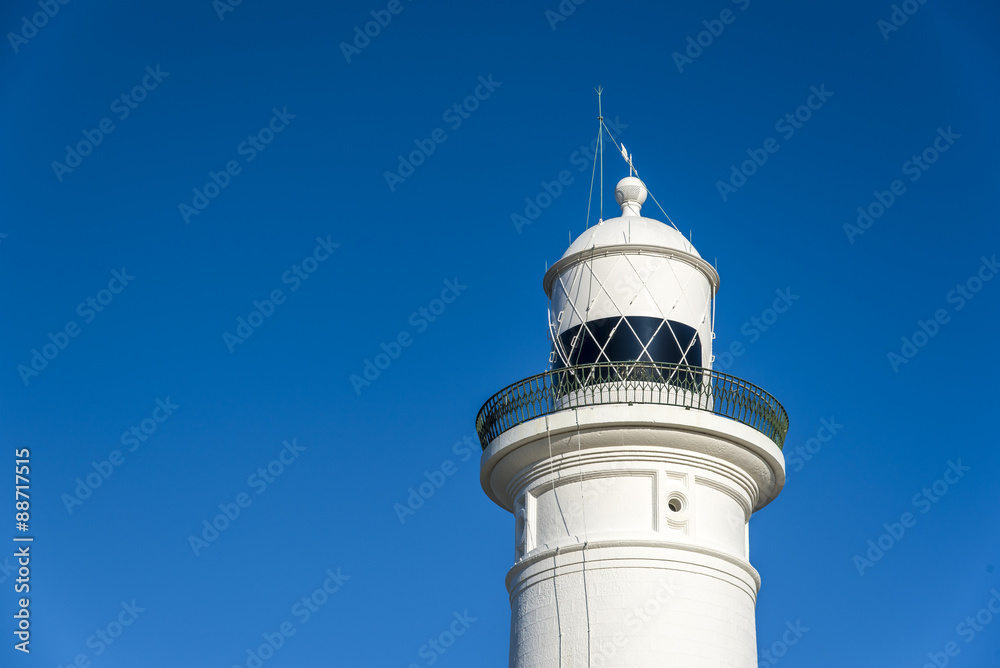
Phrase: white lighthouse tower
[631,467]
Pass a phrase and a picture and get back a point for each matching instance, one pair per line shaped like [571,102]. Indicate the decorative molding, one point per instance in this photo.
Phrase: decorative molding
[569,559]
[707,270]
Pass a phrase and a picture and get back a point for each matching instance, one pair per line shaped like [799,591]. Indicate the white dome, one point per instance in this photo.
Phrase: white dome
[634,230]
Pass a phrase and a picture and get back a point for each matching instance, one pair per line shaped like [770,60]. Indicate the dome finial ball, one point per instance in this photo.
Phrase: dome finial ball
[630,193]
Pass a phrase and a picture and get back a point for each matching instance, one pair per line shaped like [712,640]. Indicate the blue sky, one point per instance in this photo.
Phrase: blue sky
[288,136]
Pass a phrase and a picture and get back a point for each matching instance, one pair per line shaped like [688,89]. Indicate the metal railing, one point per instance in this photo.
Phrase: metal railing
[632,383]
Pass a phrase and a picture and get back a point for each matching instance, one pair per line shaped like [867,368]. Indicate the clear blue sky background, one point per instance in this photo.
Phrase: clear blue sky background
[323,176]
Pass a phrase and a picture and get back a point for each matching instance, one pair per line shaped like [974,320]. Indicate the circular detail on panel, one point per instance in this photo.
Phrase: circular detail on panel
[676,503]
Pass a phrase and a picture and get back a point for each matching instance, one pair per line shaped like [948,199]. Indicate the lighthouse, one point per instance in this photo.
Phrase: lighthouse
[630,466]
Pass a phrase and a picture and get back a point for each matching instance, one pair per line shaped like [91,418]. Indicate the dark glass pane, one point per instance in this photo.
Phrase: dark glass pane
[623,340]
